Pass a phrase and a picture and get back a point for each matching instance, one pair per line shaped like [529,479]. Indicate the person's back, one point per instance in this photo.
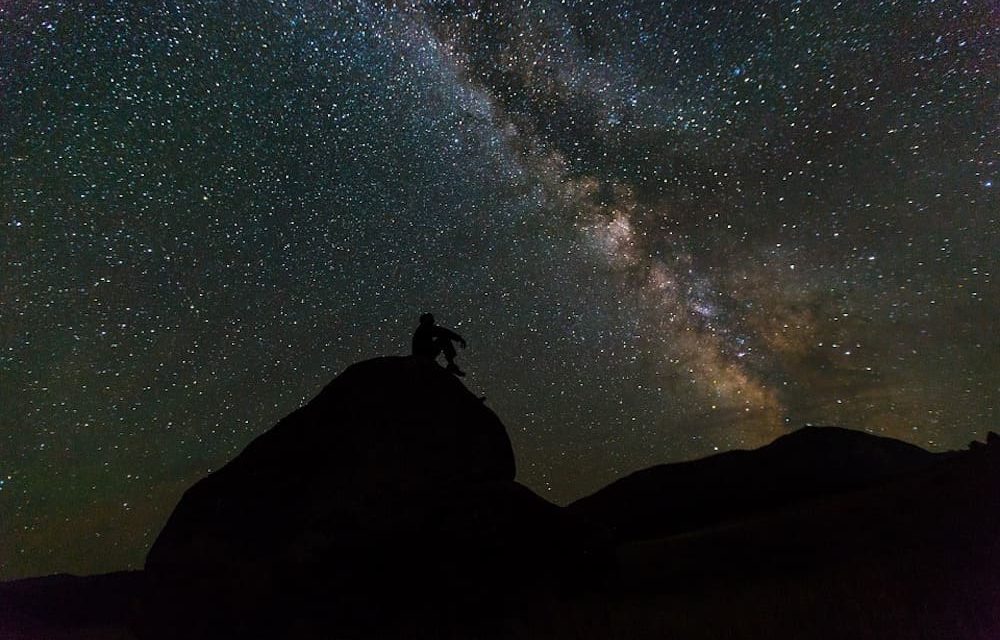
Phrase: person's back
[423,339]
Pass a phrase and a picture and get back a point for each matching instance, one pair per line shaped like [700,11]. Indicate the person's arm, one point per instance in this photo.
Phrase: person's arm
[451,335]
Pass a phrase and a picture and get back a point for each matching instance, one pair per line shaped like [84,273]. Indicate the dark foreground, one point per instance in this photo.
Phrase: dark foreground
[387,508]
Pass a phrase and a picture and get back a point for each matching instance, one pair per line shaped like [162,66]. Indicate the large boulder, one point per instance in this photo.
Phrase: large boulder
[389,498]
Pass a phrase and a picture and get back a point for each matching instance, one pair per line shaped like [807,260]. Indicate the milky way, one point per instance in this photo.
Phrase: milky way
[665,229]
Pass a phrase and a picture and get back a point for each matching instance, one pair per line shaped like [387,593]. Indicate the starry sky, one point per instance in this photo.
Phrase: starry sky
[665,229]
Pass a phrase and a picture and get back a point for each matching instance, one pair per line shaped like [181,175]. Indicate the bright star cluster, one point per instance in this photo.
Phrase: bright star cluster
[665,229]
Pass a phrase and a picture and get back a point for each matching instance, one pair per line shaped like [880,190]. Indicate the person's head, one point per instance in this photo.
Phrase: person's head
[427,318]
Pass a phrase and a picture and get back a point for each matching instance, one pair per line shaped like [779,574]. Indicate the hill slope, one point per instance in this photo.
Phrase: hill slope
[810,463]
[390,493]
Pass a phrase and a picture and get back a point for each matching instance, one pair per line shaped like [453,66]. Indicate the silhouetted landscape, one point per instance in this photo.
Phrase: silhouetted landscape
[387,507]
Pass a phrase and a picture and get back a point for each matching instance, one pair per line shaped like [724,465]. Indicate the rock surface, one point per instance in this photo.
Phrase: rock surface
[389,495]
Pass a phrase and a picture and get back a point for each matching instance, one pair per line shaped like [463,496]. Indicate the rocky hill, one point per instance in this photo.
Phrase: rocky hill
[387,498]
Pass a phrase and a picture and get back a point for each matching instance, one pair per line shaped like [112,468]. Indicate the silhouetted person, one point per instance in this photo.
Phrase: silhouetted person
[429,340]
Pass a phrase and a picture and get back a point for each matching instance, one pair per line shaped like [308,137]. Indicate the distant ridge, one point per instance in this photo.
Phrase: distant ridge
[808,463]
[62,606]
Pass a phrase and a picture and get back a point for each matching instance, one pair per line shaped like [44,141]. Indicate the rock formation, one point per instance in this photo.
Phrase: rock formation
[386,500]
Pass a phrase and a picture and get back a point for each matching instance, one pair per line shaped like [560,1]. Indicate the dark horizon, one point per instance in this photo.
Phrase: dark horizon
[665,230]
[388,507]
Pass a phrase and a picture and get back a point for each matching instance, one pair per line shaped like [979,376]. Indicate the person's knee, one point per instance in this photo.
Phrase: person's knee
[438,346]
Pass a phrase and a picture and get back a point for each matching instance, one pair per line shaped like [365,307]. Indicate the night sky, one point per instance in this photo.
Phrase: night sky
[665,229]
